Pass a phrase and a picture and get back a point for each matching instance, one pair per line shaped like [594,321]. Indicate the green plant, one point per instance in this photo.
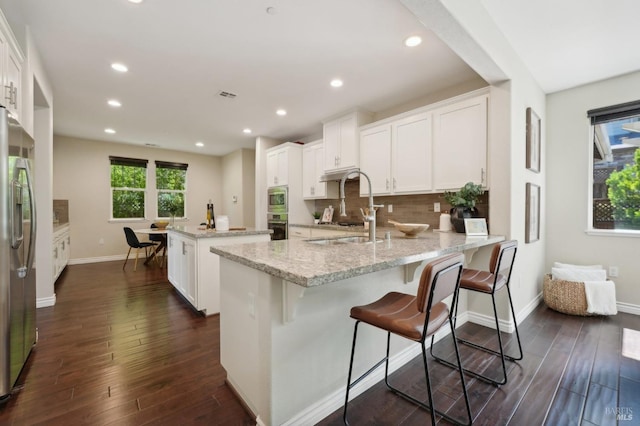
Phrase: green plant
[624,194]
[467,196]
[316,215]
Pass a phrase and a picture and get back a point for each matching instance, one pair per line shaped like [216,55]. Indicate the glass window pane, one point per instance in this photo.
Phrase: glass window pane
[128,204]
[170,178]
[616,174]
[170,204]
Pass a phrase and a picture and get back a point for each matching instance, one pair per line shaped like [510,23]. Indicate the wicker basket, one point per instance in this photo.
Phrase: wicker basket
[567,297]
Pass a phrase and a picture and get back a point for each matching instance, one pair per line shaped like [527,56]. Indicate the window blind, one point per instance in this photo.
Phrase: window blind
[169,165]
[614,112]
[124,161]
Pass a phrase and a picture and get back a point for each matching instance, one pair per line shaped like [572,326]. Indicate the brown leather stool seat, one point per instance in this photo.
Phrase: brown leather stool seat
[415,318]
[489,282]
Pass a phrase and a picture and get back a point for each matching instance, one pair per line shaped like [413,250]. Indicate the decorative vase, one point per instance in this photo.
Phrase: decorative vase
[459,214]
[316,221]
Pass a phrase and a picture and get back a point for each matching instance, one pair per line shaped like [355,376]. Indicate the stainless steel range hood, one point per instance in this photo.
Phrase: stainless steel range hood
[339,174]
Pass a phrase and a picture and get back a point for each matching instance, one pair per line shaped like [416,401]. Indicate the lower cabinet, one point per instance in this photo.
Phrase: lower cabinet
[61,250]
[195,272]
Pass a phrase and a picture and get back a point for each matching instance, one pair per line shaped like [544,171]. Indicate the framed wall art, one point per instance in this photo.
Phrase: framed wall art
[533,141]
[475,227]
[532,213]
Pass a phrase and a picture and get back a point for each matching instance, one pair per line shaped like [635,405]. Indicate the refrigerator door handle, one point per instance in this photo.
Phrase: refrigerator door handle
[23,164]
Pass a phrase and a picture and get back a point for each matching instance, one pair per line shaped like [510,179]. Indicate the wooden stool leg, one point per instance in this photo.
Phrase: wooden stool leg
[135,265]
[127,258]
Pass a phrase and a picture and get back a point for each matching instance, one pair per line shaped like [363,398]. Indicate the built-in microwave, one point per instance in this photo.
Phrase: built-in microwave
[277,199]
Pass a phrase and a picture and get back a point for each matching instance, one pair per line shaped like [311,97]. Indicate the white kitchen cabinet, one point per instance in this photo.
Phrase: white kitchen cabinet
[284,164]
[341,141]
[312,170]
[460,144]
[61,250]
[194,271]
[397,156]
[11,60]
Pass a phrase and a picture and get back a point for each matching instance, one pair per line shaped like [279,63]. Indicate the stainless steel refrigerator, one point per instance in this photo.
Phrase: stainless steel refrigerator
[17,251]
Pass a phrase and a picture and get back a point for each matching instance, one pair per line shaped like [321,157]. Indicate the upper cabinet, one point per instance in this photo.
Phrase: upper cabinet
[283,163]
[431,149]
[341,141]
[312,169]
[11,60]
[460,144]
[397,156]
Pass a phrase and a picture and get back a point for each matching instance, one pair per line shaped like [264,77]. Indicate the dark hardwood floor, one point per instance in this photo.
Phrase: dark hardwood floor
[122,348]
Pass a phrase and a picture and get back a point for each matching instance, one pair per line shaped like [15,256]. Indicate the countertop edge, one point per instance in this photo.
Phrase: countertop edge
[326,278]
[202,233]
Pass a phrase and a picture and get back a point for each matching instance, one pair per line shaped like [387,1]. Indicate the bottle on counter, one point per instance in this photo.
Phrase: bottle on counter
[211,221]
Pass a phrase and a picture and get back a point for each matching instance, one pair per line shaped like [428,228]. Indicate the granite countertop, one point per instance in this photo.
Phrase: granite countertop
[201,232]
[307,264]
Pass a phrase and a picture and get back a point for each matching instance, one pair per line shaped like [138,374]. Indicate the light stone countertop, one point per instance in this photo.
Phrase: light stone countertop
[308,264]
[201,232]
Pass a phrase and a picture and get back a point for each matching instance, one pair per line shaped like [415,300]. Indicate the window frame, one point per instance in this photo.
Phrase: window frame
[132,162]
[595,117]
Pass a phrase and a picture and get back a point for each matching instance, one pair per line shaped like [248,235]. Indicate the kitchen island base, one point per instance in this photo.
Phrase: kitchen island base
[290,365]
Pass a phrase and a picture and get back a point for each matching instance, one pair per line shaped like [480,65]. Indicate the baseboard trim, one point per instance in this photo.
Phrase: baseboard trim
[628,308]
[505,325]
[44,302]
[83,260]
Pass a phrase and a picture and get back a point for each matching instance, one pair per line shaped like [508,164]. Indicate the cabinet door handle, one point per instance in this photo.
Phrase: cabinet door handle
[394,183]
[387,184]
[10,89]
[482,175]
[15,97]
[183,251]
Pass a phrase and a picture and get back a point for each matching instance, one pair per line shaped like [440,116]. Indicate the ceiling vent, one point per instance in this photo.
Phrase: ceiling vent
[227,95]
[153,145]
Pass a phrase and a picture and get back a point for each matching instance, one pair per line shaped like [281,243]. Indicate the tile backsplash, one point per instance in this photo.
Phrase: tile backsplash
[406,208]
[61,211]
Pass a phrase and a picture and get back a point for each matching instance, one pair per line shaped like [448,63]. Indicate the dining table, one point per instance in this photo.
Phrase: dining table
[160,247]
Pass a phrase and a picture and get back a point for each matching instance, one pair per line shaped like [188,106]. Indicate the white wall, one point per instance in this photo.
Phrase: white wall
[82,176]
[469,31]
[238,171]
[568,152]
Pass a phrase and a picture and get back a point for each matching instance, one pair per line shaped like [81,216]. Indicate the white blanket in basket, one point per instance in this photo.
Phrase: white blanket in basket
[601,297]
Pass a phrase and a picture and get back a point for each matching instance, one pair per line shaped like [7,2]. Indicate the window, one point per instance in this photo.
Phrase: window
[171,183]
[615,197]
[128,187]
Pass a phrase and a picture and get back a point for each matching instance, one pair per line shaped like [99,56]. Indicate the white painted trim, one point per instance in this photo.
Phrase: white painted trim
[82,260]
[44,302]
[628,308]
[505,325]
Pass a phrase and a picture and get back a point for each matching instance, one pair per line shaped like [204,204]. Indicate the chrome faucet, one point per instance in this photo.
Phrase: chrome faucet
[371,216]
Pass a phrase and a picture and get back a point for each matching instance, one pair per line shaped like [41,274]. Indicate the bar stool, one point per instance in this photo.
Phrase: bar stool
[415,318]
[490,282]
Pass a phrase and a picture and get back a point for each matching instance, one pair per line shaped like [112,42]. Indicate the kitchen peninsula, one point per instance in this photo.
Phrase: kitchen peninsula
[285,330]
[193,270]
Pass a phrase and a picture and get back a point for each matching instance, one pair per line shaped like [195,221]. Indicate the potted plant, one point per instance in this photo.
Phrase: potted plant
[463,204]
[316,217]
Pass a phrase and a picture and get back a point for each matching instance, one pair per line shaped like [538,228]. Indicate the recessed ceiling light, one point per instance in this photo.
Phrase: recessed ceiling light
[136,1]
[110,131]
[199,144]
[246,131]
[413,41]
[119,67]
[114,103]
[336,82]
[281,112]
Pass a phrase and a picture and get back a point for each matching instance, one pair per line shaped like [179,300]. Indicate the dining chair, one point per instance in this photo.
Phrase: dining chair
[133,242]
[160,239]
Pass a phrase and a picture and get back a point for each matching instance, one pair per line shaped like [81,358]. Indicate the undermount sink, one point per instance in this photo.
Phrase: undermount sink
[342,240]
